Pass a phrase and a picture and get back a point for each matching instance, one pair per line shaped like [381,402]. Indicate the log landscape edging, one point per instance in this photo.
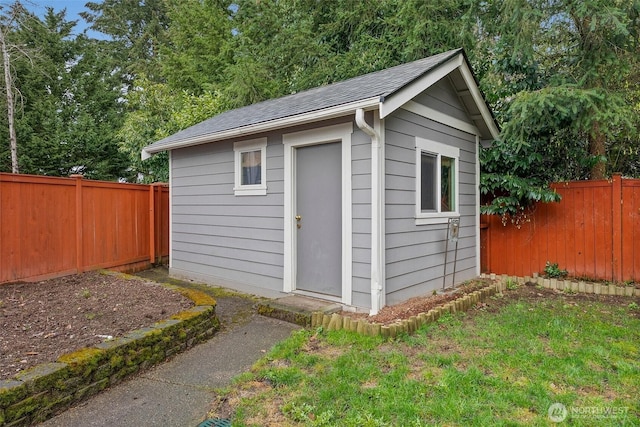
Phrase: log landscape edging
[577,286]
[45,390]
[337,321]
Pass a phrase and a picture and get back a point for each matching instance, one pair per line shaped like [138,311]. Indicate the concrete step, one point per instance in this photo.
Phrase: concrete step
[296,309]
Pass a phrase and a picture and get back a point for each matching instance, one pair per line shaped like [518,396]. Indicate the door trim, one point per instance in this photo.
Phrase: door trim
[336,133]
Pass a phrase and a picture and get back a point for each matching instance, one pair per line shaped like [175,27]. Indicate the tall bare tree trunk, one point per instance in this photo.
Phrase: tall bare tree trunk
[8,81]
[597,149]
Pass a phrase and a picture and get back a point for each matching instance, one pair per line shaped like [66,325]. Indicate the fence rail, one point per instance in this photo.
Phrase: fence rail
[56,226]
[593,232]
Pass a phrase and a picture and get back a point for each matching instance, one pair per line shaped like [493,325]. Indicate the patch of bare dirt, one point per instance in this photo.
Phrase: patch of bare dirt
[41,321]
[270,415]
[530,291]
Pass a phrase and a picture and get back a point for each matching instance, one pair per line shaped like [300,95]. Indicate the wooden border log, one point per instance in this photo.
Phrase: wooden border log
[386,332]
[325,321]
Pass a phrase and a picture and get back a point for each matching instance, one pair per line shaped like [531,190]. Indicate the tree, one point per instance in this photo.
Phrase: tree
[196,49]
[157,111]
[600,54]
[9,88]
[93,112]
[176,51]
[558,77]
[70,108]
[283,47]
[137,30]
[15,16]
[430,27]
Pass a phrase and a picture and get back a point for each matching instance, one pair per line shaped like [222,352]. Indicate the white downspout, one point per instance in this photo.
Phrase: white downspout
[376,213]
[477,159]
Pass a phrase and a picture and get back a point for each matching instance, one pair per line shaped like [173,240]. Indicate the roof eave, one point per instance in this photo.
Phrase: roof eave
[395,100]
[299,119]
[481,102]
[457,61]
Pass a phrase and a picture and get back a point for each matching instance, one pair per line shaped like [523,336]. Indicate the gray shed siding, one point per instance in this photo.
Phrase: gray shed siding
[415,253]
[218,236]
[361,217]
[442,97]
[230,240]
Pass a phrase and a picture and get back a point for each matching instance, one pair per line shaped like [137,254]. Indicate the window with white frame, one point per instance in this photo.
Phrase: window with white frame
[250,165]
[436,181]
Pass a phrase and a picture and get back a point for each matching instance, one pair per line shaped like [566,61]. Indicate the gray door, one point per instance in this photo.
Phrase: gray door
[319,219]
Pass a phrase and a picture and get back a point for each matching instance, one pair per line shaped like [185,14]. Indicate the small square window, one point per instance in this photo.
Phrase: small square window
[436,181]
[250,158]
[251,167]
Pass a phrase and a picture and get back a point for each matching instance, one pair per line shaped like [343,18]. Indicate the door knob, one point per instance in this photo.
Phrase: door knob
[298,217]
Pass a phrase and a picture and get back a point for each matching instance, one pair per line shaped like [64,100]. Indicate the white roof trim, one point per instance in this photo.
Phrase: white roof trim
[406,94]
[440,117]
[313,116]
[479,99]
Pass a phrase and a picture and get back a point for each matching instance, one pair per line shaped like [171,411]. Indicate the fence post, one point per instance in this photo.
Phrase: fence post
[616,222]
[485,245]
[158,222]
[79,223]
[152,225]
[155,222]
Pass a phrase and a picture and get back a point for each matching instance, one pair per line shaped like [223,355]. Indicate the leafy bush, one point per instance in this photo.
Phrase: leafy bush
[552,270]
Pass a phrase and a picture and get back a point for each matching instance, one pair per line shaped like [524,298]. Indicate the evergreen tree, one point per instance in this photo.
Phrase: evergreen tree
[196,51]
[559,82]
[155,112]
[283,47]
[69,111]
[137,31]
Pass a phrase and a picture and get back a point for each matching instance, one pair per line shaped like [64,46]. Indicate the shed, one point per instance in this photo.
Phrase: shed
[342,192]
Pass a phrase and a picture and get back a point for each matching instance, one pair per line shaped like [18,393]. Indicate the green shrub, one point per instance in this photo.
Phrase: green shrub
[552,270]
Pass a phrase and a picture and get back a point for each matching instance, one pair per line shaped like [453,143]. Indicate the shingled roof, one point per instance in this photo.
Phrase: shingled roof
[367,90]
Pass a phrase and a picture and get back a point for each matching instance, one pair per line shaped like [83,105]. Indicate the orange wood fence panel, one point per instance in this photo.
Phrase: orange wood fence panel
[55,226]
[123,215]
[593,232]
[631,230]
[36,238]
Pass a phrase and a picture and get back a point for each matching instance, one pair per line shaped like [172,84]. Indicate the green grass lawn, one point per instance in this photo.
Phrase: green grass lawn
[505,364]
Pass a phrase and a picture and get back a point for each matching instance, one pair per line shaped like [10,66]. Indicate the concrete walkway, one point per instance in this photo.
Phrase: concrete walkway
[180,391]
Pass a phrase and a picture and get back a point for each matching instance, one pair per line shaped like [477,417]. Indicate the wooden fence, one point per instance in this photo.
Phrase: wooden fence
[594,232]
[51,227]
